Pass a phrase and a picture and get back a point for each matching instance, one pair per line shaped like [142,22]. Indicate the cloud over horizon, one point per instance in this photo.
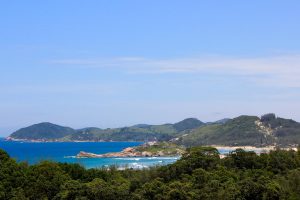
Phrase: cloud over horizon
[276,70]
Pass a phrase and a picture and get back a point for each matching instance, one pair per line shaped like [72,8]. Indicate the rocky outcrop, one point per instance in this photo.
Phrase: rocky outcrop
[83,154]
[130,152]
[125,153]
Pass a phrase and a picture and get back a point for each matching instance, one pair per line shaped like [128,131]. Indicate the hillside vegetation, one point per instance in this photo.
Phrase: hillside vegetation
[246,130]
[162,149]
[43,130]
[242,130]
[48,131]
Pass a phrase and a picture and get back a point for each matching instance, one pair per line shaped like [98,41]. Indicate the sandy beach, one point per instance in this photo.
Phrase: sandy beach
[251,148]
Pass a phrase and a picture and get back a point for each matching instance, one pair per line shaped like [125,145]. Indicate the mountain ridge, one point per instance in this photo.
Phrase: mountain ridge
[246,130]
[44,130]
[242,130]
[140,132]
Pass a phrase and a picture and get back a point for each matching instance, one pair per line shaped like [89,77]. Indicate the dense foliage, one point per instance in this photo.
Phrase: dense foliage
[199,174]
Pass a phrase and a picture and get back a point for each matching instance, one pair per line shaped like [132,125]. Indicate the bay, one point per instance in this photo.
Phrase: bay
[34,152]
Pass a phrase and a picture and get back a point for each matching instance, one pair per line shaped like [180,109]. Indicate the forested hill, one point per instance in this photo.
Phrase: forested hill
[43,130]
[242,130]
[246,130]
[141,132]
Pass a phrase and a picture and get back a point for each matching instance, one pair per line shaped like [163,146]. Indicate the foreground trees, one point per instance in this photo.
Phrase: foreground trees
[199,174]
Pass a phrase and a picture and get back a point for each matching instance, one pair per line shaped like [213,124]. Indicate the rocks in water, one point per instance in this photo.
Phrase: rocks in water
[127,152]
[146,154]
[146,150]
[83,154]
[123,153]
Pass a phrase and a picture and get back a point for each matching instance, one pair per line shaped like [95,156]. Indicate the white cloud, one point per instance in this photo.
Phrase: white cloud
[279,70]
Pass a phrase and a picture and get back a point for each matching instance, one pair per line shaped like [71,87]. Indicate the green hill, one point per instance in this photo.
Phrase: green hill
[187,124]
[242,130]
[285,131]
[42,131]
[142,132]
[246,130]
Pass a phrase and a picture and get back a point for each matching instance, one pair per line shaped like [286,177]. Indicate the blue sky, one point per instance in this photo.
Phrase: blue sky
[119,63]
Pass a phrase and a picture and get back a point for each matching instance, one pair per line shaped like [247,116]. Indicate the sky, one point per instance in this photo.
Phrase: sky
[119,63]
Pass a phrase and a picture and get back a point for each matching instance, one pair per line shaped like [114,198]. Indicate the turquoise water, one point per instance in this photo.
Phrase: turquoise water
[33,152]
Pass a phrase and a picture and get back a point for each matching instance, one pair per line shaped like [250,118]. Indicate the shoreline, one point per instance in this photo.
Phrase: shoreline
[247,147]
[223,147]
[7,139]
[253,148]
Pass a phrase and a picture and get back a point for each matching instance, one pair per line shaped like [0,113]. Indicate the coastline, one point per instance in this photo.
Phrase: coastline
[252,148]
[223,147]
[8,139]
[247,147]
[148,149]
[67,151]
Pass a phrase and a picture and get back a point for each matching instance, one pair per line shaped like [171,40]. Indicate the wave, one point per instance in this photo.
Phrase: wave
[148,158]
[69,156]
[137,165]
[162,158]
[137,159]
[133,166]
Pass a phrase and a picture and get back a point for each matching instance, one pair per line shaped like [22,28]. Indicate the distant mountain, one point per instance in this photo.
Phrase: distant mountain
[187,124]
[142,125]
[140,132]
[222,121]
[246,130]
[42,131]
[88,129]
[284,131]
[242,130]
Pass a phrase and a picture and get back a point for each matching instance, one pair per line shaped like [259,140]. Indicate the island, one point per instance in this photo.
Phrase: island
[149,149]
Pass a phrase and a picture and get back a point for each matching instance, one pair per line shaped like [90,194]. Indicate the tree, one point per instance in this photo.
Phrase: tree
[72,189]
[152,190]
[242,159]
[44,180]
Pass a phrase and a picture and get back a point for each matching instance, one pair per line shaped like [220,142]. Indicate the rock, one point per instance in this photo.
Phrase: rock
[128,152]
[128,149]
[146,154]
[83,154]
[160,153]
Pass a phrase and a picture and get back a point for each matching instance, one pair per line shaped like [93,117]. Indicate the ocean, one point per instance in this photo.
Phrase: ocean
[34,152]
